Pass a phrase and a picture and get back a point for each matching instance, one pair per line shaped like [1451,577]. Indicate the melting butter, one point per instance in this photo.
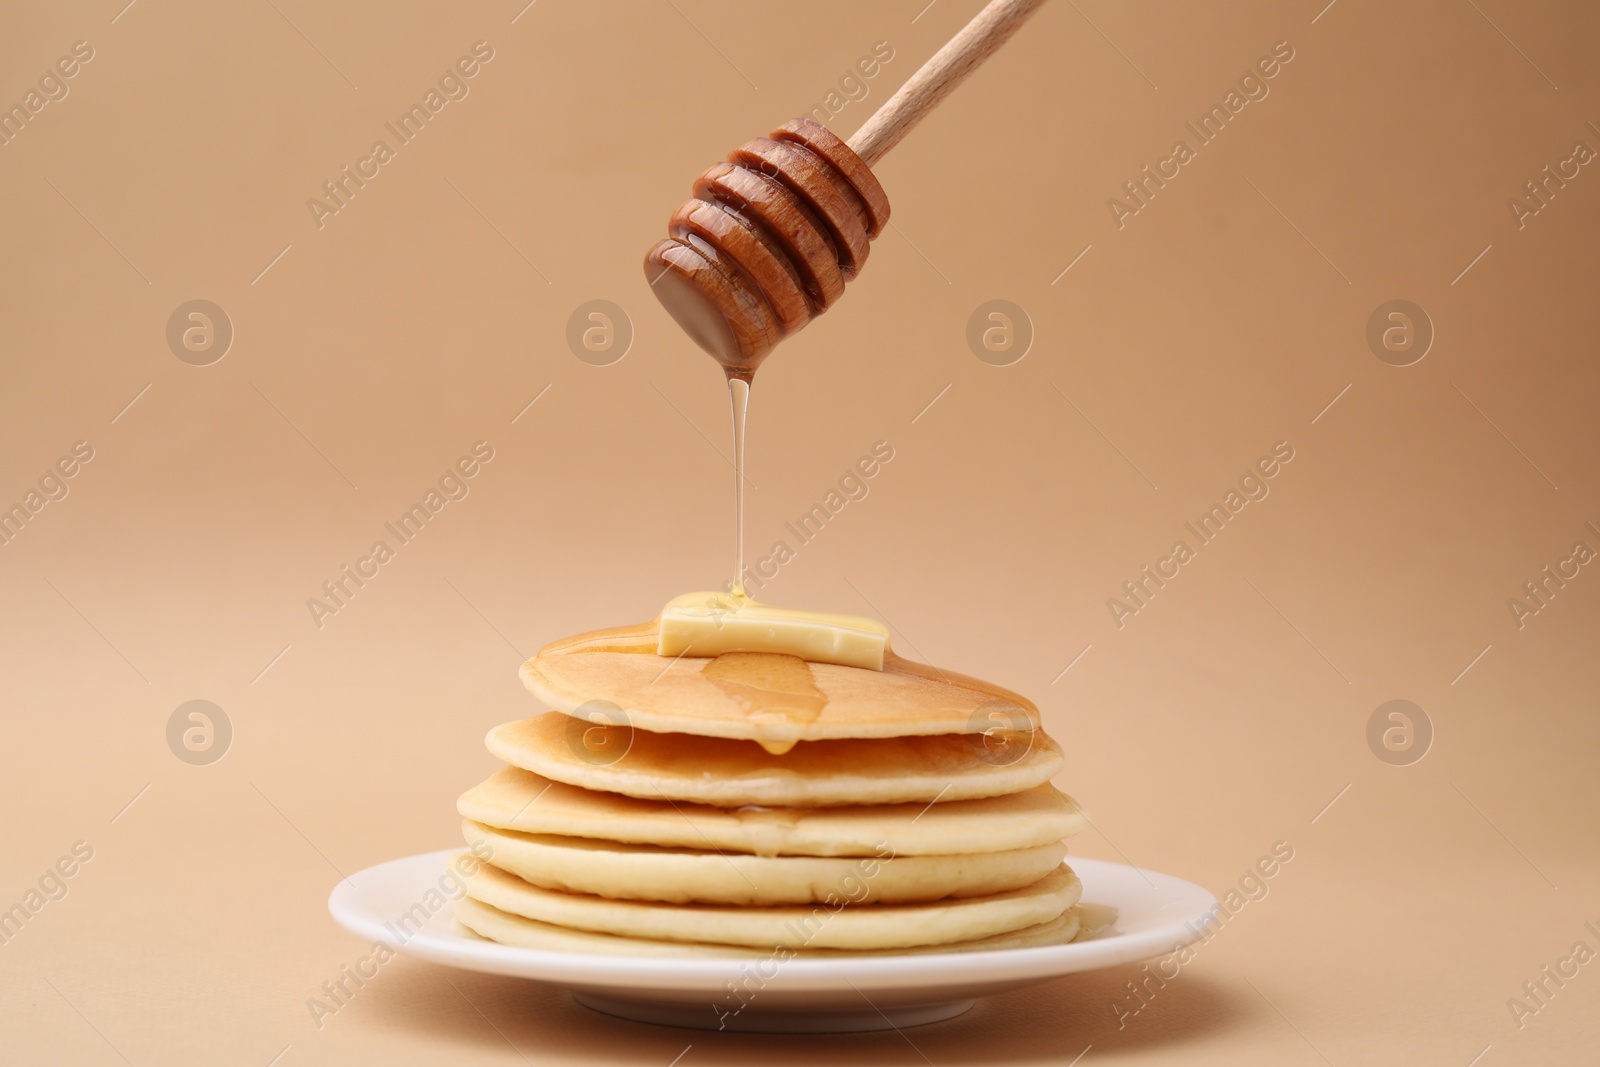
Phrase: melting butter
[709,624]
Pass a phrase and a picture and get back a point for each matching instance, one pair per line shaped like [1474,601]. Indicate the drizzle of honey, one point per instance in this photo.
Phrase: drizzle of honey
[739,398]
[768,829]
[773,690]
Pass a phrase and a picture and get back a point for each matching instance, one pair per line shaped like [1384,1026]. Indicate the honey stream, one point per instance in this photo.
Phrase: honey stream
[739,397]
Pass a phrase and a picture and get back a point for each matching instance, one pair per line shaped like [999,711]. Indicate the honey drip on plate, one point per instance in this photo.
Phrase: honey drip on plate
[773,690]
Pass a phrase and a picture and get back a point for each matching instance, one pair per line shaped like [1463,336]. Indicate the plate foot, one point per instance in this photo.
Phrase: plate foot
[772,1021]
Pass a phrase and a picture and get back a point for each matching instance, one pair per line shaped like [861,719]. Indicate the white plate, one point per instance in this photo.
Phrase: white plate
[1155,914]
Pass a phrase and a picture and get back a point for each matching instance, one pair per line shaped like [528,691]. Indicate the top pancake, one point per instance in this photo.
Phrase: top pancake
[772,699]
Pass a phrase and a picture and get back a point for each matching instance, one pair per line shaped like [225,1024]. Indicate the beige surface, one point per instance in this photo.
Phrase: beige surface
[715,770]
[1221,718]
[835,923]
[514,799]
[511,929]
[706,876]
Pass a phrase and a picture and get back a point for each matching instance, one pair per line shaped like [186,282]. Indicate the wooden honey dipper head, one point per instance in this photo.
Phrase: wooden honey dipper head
[767,243]
[772,234]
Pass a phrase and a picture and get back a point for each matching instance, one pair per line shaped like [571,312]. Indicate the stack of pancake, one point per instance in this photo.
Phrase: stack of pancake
[754,802]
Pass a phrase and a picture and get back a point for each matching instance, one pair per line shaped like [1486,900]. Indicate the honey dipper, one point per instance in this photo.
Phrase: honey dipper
[772,235]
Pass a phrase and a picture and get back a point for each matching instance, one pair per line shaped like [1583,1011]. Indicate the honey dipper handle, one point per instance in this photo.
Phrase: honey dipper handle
[932,82]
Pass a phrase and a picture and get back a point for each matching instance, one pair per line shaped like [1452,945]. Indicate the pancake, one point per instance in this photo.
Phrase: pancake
[496,925]
[773,699]
[837,926]
[619,871]
[728,773]
[515,799]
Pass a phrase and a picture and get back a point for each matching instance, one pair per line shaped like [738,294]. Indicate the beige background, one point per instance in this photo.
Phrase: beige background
[423,317]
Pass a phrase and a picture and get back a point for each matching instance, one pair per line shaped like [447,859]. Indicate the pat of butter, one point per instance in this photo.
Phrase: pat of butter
[709,624]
